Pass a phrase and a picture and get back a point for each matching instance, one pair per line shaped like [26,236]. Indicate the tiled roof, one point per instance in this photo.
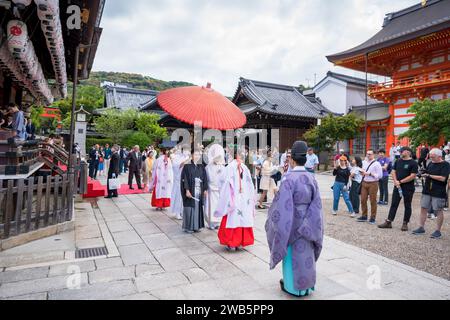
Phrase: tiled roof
[404,25]
[348,79]
[126,98]
[277,99]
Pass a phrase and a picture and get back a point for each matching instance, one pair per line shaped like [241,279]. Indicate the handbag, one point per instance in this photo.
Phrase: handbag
[114,183]
[360,185]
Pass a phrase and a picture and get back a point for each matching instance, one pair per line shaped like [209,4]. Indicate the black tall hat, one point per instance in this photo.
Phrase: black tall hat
[299,149]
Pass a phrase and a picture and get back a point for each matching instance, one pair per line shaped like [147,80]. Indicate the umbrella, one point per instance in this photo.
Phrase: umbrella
[194,104]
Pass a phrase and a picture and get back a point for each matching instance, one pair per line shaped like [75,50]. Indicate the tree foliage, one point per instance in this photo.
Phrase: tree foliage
[36,116]
[120,126]
[332,130]
[90,97]
[430,124]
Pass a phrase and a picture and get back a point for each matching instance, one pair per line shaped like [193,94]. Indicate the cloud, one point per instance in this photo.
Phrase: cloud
[281,41]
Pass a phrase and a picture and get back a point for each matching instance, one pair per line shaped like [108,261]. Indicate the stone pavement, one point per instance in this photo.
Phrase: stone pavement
[151,258]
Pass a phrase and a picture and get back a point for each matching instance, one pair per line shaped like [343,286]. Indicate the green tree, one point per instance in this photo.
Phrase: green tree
[36,116]
[148,123]
[90,97]
[332,130]
[430,124]
[114,123]
[136,138]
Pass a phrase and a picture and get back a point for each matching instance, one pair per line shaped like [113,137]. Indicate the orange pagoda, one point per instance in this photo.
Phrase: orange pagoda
[413,50]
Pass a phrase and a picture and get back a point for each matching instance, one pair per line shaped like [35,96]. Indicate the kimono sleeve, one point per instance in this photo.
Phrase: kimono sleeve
[312,228]
[279,223]
[224,200]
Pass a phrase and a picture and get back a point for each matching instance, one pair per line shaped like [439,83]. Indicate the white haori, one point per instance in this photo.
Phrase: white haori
[162,176]
[238,206]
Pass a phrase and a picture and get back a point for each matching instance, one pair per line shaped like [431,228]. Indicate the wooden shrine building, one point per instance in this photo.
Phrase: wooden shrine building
[276,106]
[413,49]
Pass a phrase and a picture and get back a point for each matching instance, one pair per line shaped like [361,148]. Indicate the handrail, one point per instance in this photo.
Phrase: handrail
[421,79]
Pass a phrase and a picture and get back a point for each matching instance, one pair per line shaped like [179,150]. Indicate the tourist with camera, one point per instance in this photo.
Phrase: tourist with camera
[404,174]
[434,192]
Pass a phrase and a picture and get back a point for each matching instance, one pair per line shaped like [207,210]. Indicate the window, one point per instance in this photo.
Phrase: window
[378,139]
[437,60]
[359,144]
[400,130]
[400,101]
[436,97]
[401,111]
[403,120]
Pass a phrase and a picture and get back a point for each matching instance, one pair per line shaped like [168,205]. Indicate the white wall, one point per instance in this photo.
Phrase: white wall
[333,96]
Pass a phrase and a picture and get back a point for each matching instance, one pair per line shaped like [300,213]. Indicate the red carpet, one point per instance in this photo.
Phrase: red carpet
[96,189]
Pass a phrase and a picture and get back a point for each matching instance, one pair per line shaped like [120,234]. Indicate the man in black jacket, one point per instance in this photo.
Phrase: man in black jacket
[134,165]
[113,171]
[94,161]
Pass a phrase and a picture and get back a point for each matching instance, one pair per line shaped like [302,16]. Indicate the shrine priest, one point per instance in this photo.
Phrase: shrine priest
[162,181]
[194,189]
[295,226]
[236,206]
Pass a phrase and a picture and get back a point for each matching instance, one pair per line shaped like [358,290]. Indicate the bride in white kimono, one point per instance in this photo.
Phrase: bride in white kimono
[216,178]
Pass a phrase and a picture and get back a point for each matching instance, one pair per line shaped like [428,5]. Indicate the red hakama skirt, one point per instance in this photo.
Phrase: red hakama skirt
[236,237]
[160,203]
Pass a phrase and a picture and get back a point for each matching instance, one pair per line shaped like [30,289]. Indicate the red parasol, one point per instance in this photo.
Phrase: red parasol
[194,104]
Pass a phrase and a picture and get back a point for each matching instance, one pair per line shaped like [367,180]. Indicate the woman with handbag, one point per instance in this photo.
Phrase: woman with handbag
[342,174]
[355,190]
[113,173]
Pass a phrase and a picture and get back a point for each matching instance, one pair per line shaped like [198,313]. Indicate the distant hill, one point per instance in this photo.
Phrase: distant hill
[137,81]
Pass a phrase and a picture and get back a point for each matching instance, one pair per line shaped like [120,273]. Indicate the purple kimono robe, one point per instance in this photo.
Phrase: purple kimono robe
[296,219]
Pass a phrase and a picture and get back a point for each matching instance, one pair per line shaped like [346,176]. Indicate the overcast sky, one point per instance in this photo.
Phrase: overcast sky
[218,41]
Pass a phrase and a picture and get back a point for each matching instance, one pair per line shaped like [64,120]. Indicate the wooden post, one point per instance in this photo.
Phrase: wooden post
[55,200]
[30,193]
[62,213]
[70,197]
[19,204]
[48,189]
[9,209]
[39,201]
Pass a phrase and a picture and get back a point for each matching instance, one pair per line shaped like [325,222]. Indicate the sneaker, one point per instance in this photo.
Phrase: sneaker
[419,231]
[353,215]
[386,203]
[386,225]
[404,227]
[433,217]
[372,221]
[362,219]
[334,213]
[380,203]
[436,235]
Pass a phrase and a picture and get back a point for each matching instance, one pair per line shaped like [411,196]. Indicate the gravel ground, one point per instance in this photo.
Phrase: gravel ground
[421,252]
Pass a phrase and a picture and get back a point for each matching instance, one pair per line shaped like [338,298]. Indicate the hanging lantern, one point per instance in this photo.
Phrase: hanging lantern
[48,13]
[22,50]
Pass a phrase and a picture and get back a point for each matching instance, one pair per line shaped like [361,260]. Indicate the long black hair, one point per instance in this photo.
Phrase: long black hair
[359,161]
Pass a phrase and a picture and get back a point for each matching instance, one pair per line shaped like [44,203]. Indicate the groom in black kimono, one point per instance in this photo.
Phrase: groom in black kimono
[194,187]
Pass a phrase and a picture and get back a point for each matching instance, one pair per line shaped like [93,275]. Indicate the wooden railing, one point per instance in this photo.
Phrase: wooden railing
[422,80]
[38,202]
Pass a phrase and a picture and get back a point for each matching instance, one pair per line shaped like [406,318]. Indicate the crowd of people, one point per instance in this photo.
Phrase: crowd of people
[366,182]
[13,119]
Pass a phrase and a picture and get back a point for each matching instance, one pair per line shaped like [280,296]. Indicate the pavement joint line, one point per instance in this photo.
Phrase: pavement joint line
[52,263]
[113,251]
[429,276]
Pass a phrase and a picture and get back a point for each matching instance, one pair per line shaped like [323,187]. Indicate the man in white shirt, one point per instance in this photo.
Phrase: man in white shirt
[312,161]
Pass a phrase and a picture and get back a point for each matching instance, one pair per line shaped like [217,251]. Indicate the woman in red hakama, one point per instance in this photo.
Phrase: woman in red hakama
[162,182]
[237,207]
